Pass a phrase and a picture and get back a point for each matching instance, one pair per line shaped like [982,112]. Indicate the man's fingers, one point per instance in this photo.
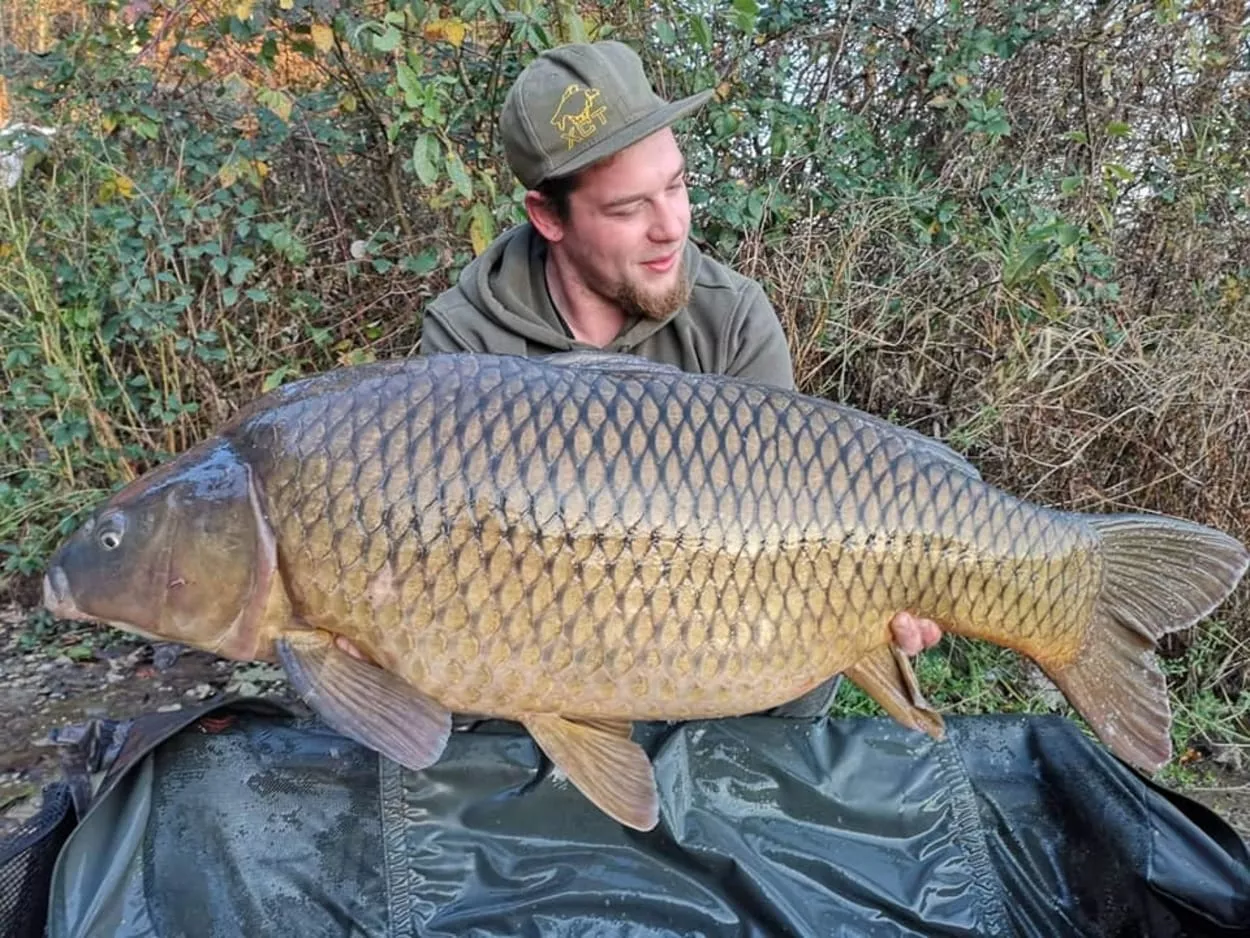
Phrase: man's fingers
[906,628]
[913,635]
[930,633]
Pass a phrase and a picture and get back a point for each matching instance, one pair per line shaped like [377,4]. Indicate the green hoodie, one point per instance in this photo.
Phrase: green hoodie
[501,305]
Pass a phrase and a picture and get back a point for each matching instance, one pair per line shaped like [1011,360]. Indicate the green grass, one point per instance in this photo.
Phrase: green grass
[962,676]
[968,677]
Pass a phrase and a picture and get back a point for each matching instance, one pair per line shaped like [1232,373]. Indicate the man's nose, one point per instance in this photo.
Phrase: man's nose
[669,221]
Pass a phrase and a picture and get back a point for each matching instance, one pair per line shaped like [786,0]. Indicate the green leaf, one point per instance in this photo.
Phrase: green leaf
[409,83]
[755,208]
[230,295]
[1071,184]
[1067,235]
[459,177]
[745,14]
[275,377]
[145,128]
[1120,172]
[664,29]
[1022,268]
[574,27]
[242,267]
[80,652]
[420,264]
[388,41]
[424,153]
[221,265]
[1118,129]
[702,34]
[997,126]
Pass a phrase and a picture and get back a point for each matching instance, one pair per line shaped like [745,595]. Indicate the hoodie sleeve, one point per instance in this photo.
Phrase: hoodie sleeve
[761,351]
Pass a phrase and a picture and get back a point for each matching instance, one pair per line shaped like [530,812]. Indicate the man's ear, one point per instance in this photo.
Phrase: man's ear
[543,217]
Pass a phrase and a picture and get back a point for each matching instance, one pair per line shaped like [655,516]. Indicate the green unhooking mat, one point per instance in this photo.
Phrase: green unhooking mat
[256,821]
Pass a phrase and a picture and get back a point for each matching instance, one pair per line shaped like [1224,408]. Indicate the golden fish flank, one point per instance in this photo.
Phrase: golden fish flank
[579,543]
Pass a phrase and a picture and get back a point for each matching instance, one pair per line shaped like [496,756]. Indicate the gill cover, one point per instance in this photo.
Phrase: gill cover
[181,554]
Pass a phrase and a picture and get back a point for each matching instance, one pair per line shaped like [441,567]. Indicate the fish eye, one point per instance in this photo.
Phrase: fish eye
[110,534]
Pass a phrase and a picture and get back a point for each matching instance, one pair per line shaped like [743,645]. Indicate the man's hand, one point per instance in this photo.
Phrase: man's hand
[913,634]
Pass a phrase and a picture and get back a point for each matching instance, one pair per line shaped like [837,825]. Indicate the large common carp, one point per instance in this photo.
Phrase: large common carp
[582,542]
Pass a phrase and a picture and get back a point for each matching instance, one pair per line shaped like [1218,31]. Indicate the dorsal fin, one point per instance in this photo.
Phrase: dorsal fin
[611,362]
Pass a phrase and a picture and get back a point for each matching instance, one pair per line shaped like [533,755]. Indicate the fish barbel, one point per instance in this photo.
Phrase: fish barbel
[581,542]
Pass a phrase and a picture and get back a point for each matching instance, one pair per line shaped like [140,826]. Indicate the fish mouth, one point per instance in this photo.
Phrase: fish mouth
[57,598]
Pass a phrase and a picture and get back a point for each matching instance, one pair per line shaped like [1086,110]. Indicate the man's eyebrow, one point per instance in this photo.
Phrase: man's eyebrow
[627,199]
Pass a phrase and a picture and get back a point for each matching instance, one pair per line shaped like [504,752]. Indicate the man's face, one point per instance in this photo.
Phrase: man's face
[629,218]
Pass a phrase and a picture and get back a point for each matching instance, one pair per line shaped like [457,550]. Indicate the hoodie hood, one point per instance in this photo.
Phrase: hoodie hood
[508,285]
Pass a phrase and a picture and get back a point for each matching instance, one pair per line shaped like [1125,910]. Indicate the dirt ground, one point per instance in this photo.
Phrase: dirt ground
[73,674]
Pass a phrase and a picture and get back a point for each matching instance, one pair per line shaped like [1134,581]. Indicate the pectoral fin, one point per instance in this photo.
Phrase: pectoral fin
[886,676]
[364,702]
[604,763]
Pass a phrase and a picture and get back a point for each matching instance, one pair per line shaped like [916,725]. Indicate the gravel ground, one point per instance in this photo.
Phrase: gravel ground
[70,675]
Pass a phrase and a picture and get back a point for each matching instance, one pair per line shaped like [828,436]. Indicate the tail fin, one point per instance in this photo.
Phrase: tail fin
[1162,575]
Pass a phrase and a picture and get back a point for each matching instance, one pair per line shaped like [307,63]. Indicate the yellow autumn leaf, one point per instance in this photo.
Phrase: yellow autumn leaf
[243,9]
[480,242]
[277,101]
[117,185]
[253,171]
[108,123]
[452,30]
[322,36]
[480,232]
[286,4]
[283,106]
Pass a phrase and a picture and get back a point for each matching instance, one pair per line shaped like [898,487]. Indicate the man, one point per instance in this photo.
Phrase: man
[605,261]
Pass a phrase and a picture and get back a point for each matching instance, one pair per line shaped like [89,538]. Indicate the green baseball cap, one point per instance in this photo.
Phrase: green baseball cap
[579,103]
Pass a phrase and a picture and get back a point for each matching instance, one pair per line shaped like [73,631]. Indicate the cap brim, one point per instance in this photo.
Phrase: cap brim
[630,134]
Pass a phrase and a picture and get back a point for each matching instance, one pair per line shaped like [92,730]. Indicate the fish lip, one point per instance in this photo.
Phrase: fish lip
[57,598]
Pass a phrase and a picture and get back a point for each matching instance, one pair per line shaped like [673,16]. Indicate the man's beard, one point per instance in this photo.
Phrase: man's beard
[652,305]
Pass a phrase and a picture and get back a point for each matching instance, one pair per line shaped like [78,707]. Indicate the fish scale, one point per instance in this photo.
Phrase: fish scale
[590,540]
[488,462]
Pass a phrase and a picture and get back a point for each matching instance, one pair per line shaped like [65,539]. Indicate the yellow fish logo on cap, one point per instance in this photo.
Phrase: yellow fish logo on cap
[577,113]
